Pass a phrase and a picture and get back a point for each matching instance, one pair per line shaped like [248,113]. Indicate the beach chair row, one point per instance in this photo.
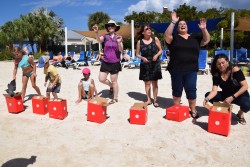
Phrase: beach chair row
[239,56]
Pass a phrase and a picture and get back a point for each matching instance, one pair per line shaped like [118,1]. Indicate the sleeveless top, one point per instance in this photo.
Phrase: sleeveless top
[149,71]
[24,62]
[86,84]
[148,50]
[111,49]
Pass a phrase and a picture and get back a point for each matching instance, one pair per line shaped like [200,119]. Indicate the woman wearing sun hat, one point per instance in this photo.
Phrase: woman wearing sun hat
[111,59]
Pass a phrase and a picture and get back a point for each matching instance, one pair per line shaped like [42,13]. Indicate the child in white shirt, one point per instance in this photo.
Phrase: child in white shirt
[86,86]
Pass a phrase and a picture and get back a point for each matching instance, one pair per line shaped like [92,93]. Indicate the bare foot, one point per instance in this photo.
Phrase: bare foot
[156,104]
[78,101]
[148,103]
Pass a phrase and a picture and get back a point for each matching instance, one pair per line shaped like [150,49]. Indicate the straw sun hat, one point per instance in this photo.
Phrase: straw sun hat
[112,22]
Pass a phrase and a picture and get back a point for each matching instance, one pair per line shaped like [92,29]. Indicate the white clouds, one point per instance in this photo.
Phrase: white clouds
[55,3]
[157,5]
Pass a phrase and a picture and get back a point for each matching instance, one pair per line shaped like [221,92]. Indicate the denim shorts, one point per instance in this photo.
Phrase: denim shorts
[186,80]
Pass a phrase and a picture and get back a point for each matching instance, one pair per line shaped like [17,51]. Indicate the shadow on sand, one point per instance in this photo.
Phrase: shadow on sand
[20,162]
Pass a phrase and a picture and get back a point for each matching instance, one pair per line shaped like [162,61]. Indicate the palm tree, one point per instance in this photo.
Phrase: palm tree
[49,26]
[30,29]
[8,30]
[99,18]
[215,37]
[19,31]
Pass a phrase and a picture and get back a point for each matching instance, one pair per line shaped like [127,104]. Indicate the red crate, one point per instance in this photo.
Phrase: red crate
[139,114]
[15,103]
[97,110]
[219,120]
[177,113]
[58,108]
[40,105]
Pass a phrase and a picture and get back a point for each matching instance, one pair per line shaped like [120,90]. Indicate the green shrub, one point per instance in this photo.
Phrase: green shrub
[37,55]
[6,56]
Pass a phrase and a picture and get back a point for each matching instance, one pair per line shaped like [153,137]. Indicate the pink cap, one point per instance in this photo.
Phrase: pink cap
[86,71]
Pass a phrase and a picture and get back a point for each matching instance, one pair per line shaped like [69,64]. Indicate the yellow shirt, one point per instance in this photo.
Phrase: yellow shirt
[51,73]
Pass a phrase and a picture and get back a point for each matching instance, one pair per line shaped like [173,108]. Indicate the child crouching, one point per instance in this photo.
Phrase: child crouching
[52,75]
[86,86]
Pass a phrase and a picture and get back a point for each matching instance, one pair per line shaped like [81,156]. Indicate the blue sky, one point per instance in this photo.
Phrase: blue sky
[75,13]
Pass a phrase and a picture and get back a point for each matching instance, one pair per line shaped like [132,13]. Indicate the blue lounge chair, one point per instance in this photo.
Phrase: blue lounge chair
[163,58]
[93,59]
[81,60]
[241,55]
[50,55]
[134,62]
[222,51]
[202,61]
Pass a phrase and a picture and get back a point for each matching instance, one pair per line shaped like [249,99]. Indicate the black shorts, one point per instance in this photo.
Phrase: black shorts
[55,89]
[112,68]
[86,95]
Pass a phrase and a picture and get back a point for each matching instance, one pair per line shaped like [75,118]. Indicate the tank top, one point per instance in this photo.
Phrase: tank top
[148,50]
[24,62]
[86,84]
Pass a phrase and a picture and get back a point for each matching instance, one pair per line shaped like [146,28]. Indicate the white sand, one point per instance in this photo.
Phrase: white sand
[75,141]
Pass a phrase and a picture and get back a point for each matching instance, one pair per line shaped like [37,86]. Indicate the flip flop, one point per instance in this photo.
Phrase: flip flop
[195,114]
[242,121]
[113,101]
[148,103]
[156,105]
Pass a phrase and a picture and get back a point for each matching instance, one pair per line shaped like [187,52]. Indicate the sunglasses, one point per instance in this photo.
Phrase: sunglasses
[111,25]
[147,29]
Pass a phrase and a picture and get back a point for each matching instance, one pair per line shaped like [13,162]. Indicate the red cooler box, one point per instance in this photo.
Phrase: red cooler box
[97,110]
[219,120]
[139,114]
[15,103]
[177,113]
[57,108]
[40,105]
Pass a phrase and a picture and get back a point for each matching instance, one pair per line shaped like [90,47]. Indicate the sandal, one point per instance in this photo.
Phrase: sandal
[113,101]
[242,121]
[195,114]
[111,91]
[156,104]
[148,103]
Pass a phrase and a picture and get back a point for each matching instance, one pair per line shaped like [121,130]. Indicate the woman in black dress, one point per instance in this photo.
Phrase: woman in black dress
[148,49]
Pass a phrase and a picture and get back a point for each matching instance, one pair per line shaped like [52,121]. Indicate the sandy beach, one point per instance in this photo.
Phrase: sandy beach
[77,142]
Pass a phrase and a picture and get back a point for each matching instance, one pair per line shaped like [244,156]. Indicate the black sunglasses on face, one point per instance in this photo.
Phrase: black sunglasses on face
[147,29]
[111,25]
